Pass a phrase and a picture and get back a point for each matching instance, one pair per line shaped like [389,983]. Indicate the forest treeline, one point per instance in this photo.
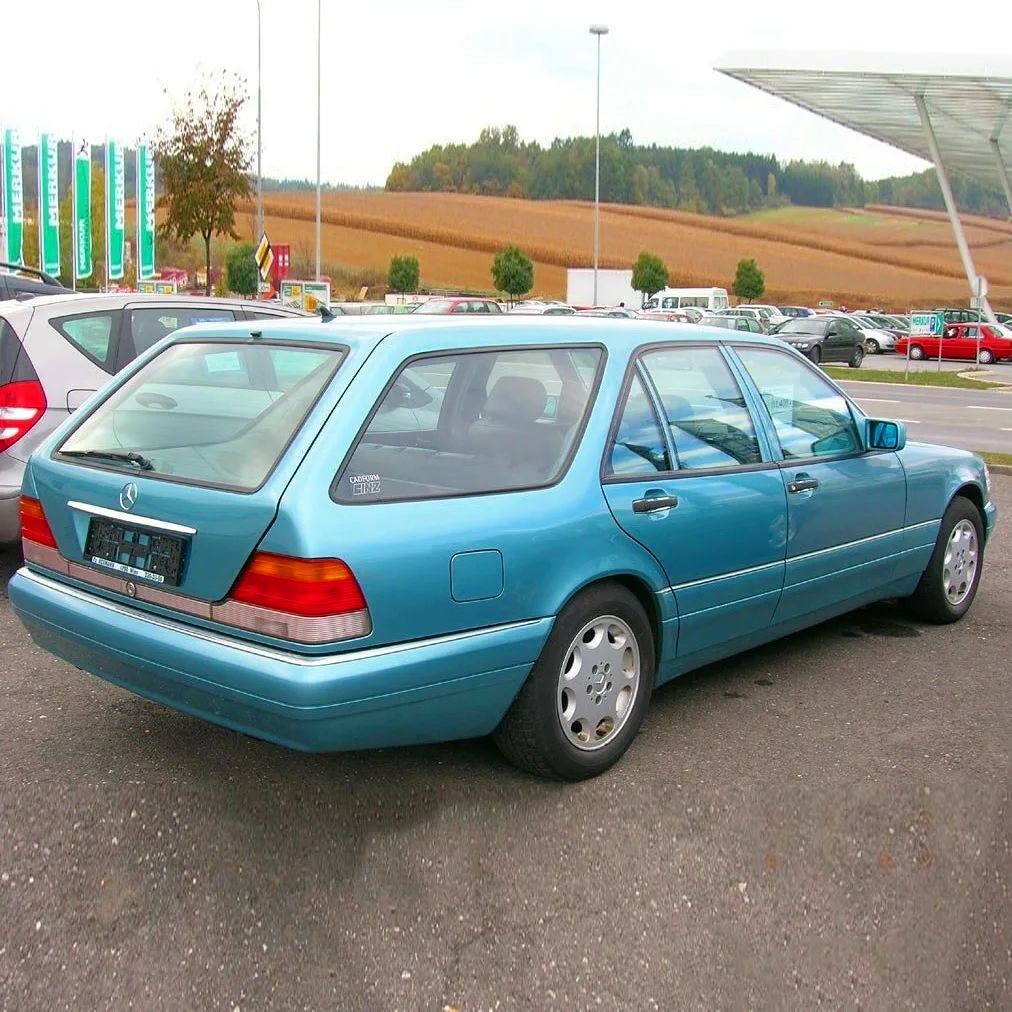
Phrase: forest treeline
[499,163]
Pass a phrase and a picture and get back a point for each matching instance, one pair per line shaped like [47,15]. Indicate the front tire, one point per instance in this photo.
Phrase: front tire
[950,582]
[985,357]
[857,358]
[872,346]
[916,351]
[815,355]
[588,692]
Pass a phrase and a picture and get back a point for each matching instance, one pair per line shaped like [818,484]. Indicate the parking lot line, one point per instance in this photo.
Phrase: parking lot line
[986,407]
[877,400]
[909,421]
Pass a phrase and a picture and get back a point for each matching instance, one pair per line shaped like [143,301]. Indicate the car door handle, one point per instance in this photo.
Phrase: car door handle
[802,485]
[654,504]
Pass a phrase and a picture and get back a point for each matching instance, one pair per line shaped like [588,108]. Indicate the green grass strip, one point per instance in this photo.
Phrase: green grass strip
[995,458]
[921,379]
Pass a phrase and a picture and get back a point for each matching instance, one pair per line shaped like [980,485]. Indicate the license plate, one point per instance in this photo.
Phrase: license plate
[133,551]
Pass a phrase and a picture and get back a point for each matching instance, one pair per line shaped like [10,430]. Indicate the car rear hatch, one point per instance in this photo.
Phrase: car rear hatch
[164,490]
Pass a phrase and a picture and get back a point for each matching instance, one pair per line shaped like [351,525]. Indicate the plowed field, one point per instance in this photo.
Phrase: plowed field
[886,256]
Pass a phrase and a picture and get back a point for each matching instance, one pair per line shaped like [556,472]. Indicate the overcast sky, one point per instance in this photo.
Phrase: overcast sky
[399,75]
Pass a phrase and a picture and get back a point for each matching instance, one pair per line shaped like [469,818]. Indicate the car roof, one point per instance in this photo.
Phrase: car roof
[89,302]
[471,332]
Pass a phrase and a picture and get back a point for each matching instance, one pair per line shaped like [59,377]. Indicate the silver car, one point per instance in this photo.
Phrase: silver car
[57,350]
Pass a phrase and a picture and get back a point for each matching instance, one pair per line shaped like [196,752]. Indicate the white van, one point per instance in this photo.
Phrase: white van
[712,300]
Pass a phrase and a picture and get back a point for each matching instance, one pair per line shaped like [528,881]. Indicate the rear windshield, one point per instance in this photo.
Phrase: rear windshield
[210,413]
[805,327]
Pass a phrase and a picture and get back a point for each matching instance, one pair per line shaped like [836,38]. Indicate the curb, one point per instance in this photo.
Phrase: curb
[1000,468]
[983,376]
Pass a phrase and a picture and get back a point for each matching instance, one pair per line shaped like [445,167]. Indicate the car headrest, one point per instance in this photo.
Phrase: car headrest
[515,399]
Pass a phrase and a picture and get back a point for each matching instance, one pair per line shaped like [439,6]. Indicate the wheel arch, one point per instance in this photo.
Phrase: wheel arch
[970,490]
[644,594]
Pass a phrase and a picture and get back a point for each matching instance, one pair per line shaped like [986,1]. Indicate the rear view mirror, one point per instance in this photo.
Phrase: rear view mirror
[885,435]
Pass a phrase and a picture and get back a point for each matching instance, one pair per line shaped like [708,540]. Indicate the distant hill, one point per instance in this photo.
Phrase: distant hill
[703,180]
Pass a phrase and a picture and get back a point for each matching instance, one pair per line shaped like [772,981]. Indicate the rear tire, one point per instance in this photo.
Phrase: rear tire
[857,358]
[950,582]
[916,351]
[558,726]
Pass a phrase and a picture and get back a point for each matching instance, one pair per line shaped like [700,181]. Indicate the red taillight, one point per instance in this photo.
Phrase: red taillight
[312,588]
[22,404]
[34,525]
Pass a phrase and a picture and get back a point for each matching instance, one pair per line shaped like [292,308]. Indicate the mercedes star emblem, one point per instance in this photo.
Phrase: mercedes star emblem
[128,495]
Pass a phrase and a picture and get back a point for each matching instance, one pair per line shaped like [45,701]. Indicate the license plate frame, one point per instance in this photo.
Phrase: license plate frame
[135,551]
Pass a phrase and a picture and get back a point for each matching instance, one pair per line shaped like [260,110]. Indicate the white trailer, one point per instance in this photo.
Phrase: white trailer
[614,288]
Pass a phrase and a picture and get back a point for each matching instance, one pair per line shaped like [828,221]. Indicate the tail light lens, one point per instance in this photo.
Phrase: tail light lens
[34,525]
[308,600]
[22,404]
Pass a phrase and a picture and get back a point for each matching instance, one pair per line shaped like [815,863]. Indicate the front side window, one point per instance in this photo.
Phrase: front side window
[209,413]
[704,408]
[472,422]
[638,447]
[810,417]
[91,333]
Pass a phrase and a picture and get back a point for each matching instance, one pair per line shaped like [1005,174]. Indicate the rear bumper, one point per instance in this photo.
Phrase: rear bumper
[10,514]
[457,686]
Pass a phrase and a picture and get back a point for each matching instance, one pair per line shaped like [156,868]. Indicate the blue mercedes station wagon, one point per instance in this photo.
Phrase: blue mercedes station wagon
[378,533]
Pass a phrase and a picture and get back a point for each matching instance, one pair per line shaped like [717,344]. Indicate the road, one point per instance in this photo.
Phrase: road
[971,419]
[824,821]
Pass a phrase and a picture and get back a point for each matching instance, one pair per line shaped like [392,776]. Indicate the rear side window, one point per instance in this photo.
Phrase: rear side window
[639,446]
[15,365]
[92,334]
[704,408]
[208,413]
[472,422]
[148,326]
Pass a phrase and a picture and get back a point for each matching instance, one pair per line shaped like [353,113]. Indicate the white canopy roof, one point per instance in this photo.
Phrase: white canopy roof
[968,98]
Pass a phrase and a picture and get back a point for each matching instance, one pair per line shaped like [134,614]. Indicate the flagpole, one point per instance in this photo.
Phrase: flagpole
[105,207]
[73,208]
[38,200]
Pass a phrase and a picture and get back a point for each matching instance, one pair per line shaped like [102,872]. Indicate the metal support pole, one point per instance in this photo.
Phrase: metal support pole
[597,30]
[597,172]
[318,25]
[950,203]
[260,147]
[1002,171]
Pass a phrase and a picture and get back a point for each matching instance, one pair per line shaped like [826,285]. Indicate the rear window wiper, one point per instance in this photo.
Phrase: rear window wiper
[124,456]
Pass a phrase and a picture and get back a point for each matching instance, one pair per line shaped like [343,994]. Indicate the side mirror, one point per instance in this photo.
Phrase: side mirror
[885,435]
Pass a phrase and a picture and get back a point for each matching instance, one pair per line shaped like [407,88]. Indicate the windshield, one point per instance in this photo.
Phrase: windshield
[804,327]
[211,413]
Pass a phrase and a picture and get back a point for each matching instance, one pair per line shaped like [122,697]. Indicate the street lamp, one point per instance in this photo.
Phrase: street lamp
[597,30]
[318,5]
[260,188]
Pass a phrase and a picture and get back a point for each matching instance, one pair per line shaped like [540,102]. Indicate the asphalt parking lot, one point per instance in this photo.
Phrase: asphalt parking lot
[824,821]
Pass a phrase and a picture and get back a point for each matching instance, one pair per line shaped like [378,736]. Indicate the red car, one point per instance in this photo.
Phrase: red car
[463,304]
[959,341]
